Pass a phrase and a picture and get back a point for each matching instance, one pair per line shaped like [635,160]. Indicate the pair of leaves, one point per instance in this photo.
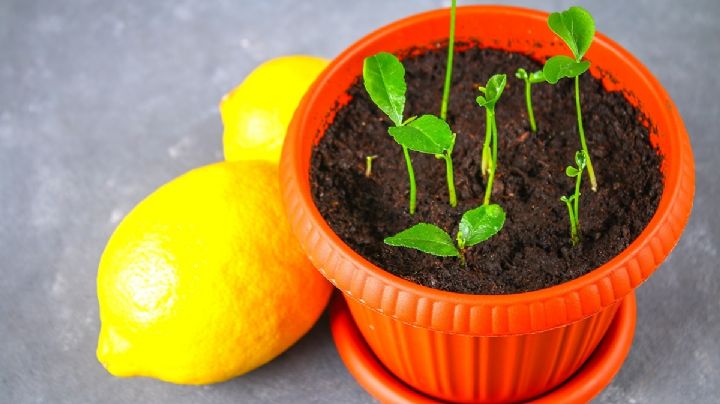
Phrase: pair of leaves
[575,26]
[427,134]
[492,91]
[533,78]
[384,80]
[570,199]
[580,161]
[476,226]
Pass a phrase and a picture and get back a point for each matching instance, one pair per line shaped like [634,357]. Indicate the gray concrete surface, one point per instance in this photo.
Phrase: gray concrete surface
[101,102]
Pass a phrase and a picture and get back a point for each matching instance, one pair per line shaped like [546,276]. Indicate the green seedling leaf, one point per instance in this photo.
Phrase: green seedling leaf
[479,224]
[567,199]
[558,67]
[427,238]
[580,159]
[384,79]
[575,26]
[537,77]
[571,171]
[492,90]
[427,134]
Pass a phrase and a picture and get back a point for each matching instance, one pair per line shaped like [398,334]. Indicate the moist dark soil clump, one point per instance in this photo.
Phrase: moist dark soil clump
[533,250]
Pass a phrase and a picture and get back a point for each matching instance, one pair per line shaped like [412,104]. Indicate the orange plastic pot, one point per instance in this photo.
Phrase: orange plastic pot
[477,348]
[581,387]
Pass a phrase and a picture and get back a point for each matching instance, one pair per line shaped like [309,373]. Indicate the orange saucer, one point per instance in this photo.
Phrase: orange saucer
[592,377]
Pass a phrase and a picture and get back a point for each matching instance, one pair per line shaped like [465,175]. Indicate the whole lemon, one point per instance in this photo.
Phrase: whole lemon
[256,114]
[203,280]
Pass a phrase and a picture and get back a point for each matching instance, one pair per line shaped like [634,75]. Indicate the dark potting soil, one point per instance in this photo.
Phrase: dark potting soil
[533,250]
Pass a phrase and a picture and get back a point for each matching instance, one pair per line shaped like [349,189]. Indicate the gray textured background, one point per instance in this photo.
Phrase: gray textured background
[101,102]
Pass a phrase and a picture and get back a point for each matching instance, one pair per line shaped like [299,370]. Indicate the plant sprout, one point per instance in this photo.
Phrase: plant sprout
[448,67]
[431,135]
[530,79]
[368,164]
[575,26]
[573,201]
[491,94]
[476,226]
[384,80]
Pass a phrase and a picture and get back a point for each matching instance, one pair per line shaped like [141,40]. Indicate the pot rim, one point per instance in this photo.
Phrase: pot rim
[506,314]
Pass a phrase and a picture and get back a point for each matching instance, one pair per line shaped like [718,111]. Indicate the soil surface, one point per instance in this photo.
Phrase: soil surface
[533,250]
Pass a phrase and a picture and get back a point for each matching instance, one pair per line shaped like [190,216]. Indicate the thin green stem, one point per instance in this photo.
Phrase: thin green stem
[573,228]
[576,202]
[411,178]
[591,172]
[488,188]
[448,69]
[528,102]
[488,130]
[450,179]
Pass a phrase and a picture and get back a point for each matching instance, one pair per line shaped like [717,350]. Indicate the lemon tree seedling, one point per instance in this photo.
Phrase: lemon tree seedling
[575,26]
[384,80]
[530,79]
[573,201]
[431,135]
[491,94]
[476,226]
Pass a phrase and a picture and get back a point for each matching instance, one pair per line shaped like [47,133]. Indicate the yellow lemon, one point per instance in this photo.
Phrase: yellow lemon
[256,114]
[203,280]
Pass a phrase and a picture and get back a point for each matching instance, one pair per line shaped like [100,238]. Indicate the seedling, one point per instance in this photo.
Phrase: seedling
[368,165]
[384,80]
[491,94]
[476,226]
[448,67]
[573,201]
[530,79]
[575,26]
[431,135]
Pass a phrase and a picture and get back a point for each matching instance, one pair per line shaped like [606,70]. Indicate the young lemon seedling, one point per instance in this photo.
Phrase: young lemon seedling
[431,135]
[492,92]
[476,226]
[573,201]
[384,78]
[575,26]
[530,79]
